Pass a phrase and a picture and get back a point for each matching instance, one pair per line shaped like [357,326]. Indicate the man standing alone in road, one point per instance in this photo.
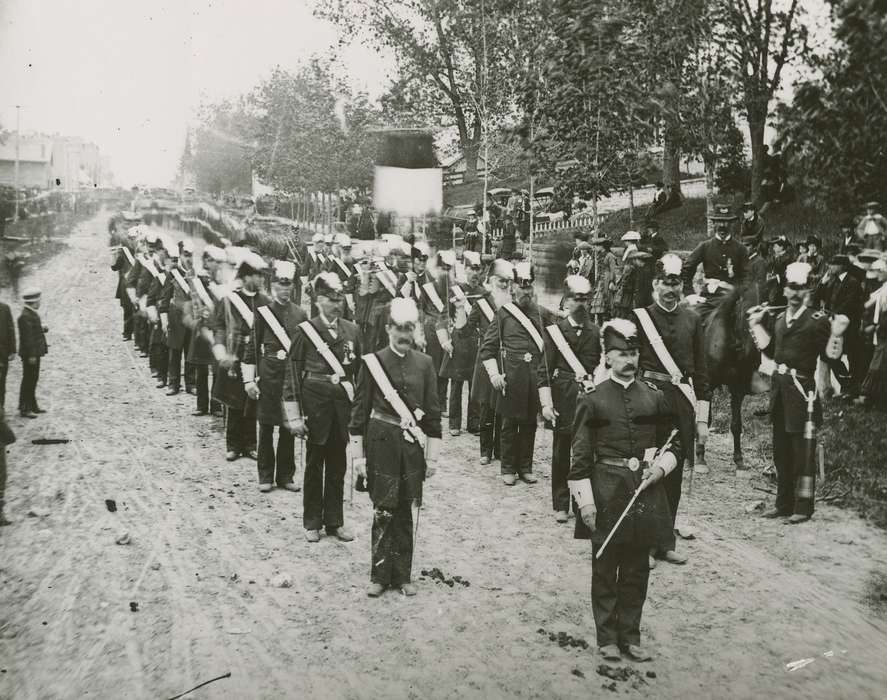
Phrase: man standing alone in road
[32,346]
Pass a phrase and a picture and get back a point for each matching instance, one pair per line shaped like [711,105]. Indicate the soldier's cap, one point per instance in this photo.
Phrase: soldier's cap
[32,294]
[186,245]
[329,238]
[213,252]
[631,236]
[880,265]
[317,238]
[471,258]
[403,312]
[668,268]
[250,263]
[343,240]
[284,270]
[619,334]
[523,272]
[502,268]
[872,205]
[797,275]
[814,240]
[839,259]
[447,257]
[869,255]
[748,205]
[722,213]
[637,254]
[420,249]
[576,285]
[327,284]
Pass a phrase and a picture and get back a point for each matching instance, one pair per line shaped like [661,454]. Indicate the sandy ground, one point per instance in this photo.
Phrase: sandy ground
[206,546]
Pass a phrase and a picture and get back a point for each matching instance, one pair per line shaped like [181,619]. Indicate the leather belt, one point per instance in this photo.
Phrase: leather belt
[632,463]
[662,377]
[279,354]
[329,378]
[522,356]
[785,369]
[385,417]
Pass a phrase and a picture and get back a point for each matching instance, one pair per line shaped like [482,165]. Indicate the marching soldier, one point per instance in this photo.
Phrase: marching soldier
[166,257]
[395,437]
[198,312]
[621,449]
[176,293]
[232,327]
[324,368]
[672,358]
[458,340]
[264,374]
[795,339]
[573,349]
[138,282]
[123,263]
[32,347]
[511,352]
[482,394]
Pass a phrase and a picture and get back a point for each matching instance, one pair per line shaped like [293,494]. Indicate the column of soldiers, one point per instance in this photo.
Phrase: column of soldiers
[393,335]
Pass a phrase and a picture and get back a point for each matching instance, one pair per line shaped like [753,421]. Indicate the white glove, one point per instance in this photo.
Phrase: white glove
[252,390]
[498,382]
[588,515]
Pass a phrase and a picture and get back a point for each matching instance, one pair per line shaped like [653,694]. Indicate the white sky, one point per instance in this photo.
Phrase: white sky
[128,74]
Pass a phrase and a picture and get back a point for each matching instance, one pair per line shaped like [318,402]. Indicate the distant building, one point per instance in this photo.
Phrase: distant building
[454,169]
[35,161]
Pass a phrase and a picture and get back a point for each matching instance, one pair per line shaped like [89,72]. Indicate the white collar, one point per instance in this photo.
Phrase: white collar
[842,276]
[725,238]
[571,321]
[668,311]
[246,292]
[326,321]
[621,383]
[396,352]
[789,318]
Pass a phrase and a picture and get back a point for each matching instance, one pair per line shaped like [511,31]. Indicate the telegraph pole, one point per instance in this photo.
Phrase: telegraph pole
[18,109]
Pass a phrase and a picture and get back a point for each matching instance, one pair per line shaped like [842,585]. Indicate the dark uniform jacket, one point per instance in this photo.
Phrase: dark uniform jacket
[842,296]
[798,348]
[519,359]
[231,330]
[197,317]
[154,295]
[325,405]
[268,354]
[7,333]
[717,257]
[121,266]
[481,389]
[32,339]
[585,340]
[395,466]
[757,274]
[172,303]
[464,340]
[614,422]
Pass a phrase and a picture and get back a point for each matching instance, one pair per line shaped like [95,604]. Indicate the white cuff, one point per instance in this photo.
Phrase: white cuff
[491,367]
[248,372]
[291,411]
[703,411]
[442,336]
[432,449]
[760,335]
[834,349]
[545,397]
[581,492]
[668,461]
[220,352]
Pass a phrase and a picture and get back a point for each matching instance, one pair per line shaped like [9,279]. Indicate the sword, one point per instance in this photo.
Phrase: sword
[634,497]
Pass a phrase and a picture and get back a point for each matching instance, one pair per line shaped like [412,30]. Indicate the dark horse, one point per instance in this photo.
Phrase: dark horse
[731,356]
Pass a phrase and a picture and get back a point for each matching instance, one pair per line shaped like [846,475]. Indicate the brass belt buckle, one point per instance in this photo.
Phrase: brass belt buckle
[334,378]
[633,463]
[528,357]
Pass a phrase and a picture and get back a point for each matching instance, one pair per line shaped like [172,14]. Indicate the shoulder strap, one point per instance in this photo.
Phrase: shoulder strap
[342,266]
[276,327]
[432,294]
[460,297]
[566,351]
[665,358]
[202,293]
[242,308]
[522,319]
[328,356]
[131,260]
[386,282]
[486,309]
[408,419]
[177,276]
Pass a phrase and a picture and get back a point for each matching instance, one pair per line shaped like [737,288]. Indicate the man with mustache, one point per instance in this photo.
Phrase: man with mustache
[482,314]
[618,428]
[672,358]
[511,353]
[573,348]
[319,402]
[395,438]
[264,371]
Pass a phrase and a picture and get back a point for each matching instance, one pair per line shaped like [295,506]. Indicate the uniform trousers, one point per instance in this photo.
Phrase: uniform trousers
[126,304]
[240,431]
[138,333]
[283,460]
[456,406]
[518,440]
[560,469]
[2,477]
[4,369]
[490,432]
[27,395]
[618,591]
[174,370]
[795,480]
[324,487]
[392,553]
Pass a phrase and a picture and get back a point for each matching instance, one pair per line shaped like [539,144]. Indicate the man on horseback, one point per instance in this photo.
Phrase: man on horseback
[724,259]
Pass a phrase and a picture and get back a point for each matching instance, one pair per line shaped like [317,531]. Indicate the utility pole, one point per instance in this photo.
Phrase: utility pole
[18,109]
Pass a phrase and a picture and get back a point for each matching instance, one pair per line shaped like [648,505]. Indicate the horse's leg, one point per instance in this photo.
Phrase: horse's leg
[700,465]
[736,396]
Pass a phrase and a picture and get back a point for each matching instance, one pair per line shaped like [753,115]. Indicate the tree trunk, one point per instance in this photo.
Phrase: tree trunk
[470,151]
[630,201]
[756,136]
[711,165]
[671,165]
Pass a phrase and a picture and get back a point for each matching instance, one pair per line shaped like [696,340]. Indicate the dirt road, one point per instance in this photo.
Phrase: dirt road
[206,546]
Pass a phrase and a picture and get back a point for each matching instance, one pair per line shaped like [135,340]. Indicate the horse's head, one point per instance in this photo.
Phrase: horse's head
[729,349]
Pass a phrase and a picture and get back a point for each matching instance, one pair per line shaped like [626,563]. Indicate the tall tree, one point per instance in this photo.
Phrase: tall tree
[760,38]
[221,148]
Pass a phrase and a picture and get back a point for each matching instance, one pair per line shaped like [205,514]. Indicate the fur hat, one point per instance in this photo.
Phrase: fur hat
[403,311]
[619,334]
[327,283]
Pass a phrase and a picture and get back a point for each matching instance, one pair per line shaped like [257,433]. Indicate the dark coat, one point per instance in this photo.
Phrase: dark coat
[172,303]
[481,389]
[7,333]
[32,338]
[618,422]
[396,467]
[231,330]
[200,349]
[717,258]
